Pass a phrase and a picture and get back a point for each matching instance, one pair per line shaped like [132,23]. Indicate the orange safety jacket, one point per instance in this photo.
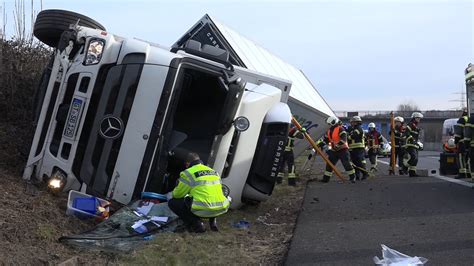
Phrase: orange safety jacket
[448,149]
[335,139]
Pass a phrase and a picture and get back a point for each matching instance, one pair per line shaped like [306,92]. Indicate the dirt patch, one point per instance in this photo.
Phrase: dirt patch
[31,226]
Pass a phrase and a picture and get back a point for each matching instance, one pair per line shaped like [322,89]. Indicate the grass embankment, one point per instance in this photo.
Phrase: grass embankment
[265,242]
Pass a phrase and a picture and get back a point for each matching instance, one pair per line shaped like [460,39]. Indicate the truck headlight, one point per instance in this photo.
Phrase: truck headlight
[57,181]
[94,52]
[241,123]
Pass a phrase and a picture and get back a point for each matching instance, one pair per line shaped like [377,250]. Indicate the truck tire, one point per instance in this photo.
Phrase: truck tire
[51,23]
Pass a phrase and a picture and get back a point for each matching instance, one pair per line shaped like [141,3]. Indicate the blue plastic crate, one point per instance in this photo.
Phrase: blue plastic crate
[88,205]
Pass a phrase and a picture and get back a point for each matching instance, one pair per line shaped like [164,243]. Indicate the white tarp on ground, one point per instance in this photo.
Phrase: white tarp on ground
[259,59]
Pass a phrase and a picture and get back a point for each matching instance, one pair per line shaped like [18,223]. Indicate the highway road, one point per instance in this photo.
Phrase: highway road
[345,224]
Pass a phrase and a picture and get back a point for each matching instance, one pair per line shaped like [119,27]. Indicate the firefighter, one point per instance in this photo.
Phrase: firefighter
[469,144]
[356,137]
[461,146]
[374,142]
[198,195]
[412,145]
[399,132]
[289,157]
[336,140]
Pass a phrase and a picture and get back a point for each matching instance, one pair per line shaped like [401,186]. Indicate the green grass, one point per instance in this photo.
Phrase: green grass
[47,232]
[264,242]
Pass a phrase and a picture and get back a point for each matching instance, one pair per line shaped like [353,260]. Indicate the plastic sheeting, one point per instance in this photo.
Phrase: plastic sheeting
[116,233]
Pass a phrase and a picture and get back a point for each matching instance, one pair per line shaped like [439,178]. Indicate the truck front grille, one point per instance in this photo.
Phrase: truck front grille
[113,96]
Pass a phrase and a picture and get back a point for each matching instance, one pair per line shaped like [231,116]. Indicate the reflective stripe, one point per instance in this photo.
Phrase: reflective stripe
[327,173]
[182,180]
[350,172]
[291,171]
[356,145]
[290,144]
[469,75]
[412,168]
[190,177]
[209,213]
[211,204]
[204,182]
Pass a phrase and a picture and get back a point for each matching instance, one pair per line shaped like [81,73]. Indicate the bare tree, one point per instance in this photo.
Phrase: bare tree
[407,106]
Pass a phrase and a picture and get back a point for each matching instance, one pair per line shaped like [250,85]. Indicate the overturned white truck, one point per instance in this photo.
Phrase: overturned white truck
[116,116]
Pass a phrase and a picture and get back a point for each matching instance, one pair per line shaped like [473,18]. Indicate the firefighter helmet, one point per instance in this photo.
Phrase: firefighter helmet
[332,120]
[356,119]
[416,115]
[398,119]
[371,125]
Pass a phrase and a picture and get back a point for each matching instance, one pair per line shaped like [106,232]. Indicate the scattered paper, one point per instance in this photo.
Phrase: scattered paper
[145,208]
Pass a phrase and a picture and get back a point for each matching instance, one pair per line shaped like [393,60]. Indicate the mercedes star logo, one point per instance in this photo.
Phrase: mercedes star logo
[111,127]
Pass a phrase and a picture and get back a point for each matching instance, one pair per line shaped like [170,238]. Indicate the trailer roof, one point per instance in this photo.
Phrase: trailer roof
[259,59]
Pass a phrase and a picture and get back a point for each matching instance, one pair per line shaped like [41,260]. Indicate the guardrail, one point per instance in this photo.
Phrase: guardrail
[426,114]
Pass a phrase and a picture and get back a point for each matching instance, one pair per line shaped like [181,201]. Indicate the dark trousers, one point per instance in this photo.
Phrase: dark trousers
[182,208]
[358,158]
[399,153]
[462,160]
[335,156]
[373,158]
[411,158]
[288,159]
[470,155]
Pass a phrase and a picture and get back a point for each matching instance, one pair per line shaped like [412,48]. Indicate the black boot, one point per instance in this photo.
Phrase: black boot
[364,176]
[213,224]
[198,227]
[352,178]
[412,173]
[461,175]
[401,172]
[292,181]
[279,179]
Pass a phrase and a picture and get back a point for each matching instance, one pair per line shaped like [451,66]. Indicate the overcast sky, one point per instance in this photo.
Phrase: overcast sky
[360,55]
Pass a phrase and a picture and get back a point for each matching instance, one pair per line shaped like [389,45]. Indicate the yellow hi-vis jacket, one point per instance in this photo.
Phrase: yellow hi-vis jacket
[203,184]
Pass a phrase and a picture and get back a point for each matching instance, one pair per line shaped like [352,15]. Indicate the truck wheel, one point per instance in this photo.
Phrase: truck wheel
[51,23]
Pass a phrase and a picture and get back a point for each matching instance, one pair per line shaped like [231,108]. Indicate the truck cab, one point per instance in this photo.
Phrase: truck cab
[117,116]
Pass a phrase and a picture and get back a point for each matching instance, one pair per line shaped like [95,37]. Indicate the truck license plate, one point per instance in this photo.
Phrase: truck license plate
[73,118]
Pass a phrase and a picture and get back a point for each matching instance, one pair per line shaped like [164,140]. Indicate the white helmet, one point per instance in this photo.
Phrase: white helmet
[356,119]
[451,143]
[371,125]
[416,115]
[399,119]
[332,120]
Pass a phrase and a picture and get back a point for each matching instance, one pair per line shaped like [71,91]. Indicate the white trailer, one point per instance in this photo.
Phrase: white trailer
[118,115]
